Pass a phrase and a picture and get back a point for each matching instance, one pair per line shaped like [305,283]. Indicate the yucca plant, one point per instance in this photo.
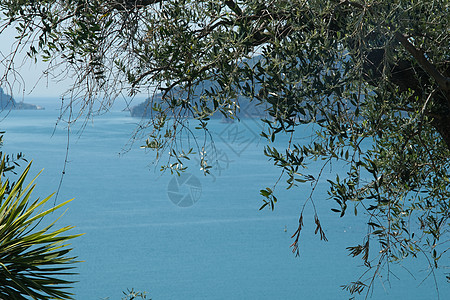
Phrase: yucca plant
[33,257]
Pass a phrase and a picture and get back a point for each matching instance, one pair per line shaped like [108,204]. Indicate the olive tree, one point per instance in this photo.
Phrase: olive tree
[364,72]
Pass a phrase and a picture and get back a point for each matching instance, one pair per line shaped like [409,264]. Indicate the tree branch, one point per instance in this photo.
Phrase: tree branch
[442,81]
[128,4]
[234,7]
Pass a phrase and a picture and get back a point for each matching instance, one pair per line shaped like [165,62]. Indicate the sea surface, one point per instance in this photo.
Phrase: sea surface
[194,236]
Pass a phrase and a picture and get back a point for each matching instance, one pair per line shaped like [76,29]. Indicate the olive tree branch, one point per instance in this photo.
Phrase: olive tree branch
[442,81]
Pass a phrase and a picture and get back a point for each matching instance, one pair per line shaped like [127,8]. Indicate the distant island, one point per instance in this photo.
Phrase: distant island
[248,109]
[8,102]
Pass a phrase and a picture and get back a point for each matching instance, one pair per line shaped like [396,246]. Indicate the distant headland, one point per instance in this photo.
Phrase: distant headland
[248,109]
[8,102]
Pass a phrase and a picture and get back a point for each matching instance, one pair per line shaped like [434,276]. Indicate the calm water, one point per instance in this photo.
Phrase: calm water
[221,247]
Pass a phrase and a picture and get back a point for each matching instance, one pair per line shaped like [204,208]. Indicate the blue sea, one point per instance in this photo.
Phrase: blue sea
[195,236]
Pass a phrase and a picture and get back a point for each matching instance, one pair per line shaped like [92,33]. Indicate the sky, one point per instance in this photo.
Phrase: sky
[31,84]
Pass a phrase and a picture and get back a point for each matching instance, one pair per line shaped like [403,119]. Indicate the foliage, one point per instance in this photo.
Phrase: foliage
[133,295]
[368,74]
[11,162]
[32,260]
